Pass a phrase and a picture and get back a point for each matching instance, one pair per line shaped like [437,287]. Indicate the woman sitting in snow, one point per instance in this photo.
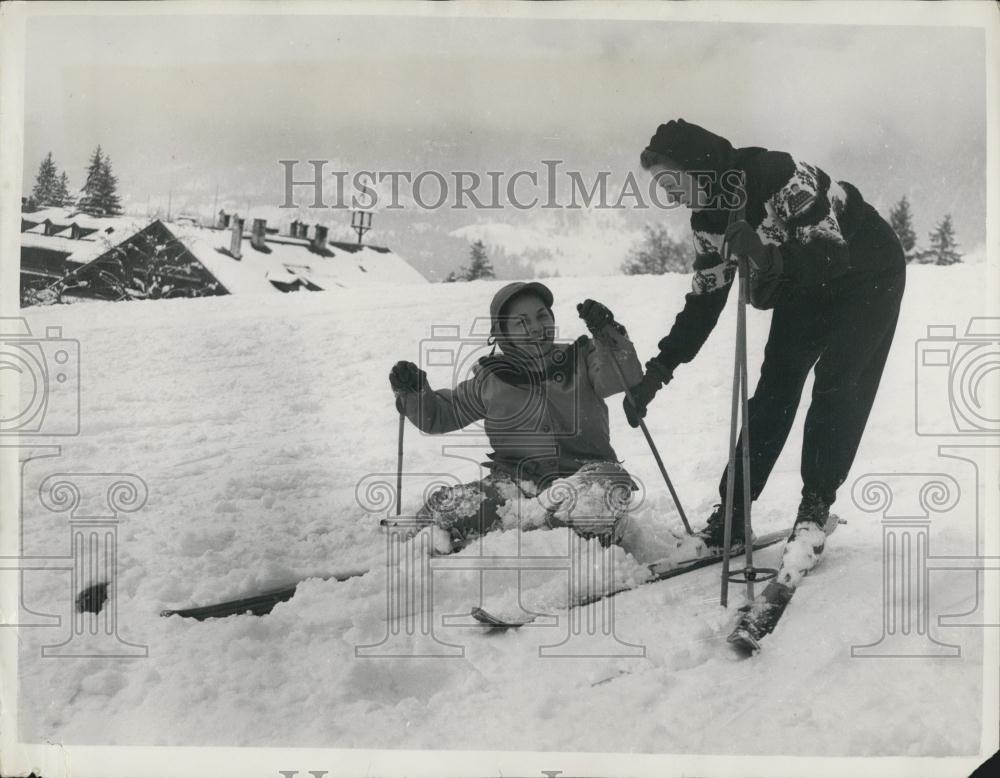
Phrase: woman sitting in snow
[832,270]
[546,419]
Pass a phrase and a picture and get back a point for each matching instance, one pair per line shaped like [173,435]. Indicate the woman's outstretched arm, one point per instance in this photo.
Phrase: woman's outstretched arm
[713,277]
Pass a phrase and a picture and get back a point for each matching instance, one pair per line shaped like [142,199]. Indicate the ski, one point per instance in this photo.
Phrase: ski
[259,604]
[497,623]
[759,618]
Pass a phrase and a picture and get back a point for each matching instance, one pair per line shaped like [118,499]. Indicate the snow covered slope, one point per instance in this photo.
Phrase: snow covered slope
[252,420]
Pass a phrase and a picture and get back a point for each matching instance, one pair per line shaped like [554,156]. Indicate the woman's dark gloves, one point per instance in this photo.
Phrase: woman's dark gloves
[642,394]
[406,378]
[595,315]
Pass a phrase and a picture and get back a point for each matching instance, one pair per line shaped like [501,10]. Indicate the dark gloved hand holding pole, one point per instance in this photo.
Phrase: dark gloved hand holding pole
[405,378]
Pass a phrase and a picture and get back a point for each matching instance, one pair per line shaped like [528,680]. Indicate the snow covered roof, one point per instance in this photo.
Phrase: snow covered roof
[101,243]
[36,239]
[63,218]
[290,260]
[288,263]
[102,233]
[52,214]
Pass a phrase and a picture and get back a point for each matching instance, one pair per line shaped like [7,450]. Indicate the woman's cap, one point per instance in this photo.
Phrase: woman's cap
[508,293]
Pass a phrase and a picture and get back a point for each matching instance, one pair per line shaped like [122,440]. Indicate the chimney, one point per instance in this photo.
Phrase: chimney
[303,230]
[318,243]
[258,233]
[237,238]
[293,229]
[223,223]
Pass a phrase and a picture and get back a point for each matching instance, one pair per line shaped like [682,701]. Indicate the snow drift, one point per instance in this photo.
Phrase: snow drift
[252,420]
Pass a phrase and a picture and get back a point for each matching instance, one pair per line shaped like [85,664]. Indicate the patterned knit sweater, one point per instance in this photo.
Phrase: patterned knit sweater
[813,230]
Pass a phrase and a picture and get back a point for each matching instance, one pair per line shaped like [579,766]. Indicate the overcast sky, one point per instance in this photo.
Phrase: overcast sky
[190,103]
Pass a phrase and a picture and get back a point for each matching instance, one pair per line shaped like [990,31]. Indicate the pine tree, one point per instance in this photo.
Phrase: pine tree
[100,192]
[901,219]
[62,196]
[46,183]
[658,253]
[944,247]
[89,198]
[108,190]
[479,264]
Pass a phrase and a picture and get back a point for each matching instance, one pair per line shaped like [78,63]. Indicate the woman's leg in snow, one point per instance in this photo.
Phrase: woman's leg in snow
[596,502]
[590,501]
[469,511]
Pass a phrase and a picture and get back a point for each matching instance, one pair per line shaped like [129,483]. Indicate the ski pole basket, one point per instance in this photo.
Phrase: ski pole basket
[751,574]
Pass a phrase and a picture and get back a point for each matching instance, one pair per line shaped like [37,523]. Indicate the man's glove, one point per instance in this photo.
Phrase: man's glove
[595,315]
[643,392]
[741,239]
[406,378]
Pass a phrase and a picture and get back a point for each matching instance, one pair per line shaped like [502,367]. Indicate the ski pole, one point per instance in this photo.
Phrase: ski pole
[741,406]
[745,415]
[649,439]
[399,463]
[731,471]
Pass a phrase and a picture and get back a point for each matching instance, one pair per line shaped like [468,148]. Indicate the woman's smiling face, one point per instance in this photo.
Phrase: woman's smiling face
[528,322]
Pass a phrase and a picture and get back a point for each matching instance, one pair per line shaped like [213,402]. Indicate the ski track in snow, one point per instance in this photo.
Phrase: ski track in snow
[252,420]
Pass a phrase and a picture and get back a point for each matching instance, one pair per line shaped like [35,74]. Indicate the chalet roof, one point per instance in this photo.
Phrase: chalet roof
[38,240]
[66,217]
[52,214]
[105,235]
[289,258]
[287,263]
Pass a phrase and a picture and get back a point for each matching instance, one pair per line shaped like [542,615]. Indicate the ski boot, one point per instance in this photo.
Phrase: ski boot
[804,547]
[714,531]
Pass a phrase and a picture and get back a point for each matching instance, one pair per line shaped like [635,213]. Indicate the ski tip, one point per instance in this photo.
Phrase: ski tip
[744,643]
[487,619]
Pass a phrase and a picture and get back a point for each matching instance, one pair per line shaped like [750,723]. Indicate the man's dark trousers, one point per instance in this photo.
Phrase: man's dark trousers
[845,329]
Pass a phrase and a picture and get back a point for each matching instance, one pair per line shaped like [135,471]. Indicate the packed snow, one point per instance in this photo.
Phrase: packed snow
[255,422]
